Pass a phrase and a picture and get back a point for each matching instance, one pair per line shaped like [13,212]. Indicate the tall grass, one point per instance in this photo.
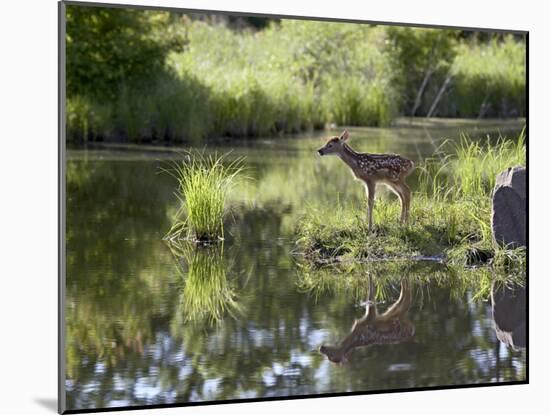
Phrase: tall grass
[478,163]
[287,78]
[465,179]
[468,168]
[294,76]
[204,182]
[490,79]
[290,77]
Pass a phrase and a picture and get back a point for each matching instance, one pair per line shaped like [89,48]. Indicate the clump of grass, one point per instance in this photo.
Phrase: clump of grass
[450,217]
[204,182]
[512,261]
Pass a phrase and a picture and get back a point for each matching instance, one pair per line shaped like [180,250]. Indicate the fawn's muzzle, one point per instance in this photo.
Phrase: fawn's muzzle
[321,152]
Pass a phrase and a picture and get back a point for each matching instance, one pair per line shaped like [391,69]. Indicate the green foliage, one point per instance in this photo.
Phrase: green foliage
[422,56]
[490,79]
[204,182]
[135,75]
[109,48]
[283,79]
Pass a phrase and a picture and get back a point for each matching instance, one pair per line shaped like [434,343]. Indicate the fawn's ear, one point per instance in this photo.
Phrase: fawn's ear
[344,136]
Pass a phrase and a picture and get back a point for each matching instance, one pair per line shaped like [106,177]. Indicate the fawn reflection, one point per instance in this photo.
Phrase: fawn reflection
[393,326]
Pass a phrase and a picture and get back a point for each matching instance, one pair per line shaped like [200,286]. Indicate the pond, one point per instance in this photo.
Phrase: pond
[149,322]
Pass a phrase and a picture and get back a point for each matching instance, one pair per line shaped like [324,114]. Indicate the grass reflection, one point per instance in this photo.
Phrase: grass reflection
[351,279]
[207,294]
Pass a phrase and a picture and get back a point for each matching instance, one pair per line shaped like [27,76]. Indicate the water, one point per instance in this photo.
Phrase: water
[149,323]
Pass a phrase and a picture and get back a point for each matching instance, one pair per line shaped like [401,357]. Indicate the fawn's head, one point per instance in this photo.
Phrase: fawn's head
[334,145]
[334,354]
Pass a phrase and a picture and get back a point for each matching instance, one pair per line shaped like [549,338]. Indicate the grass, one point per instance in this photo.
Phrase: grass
[204,182]
[450,214]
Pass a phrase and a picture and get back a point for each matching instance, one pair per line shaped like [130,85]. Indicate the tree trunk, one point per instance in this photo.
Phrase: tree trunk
[418,99]
[439,95]
[484,107]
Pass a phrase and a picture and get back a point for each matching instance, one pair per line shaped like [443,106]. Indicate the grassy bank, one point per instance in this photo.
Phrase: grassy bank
[450,216]
[210,80]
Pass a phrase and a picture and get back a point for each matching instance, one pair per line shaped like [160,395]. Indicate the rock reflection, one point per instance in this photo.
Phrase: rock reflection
[509,314]
[393,326]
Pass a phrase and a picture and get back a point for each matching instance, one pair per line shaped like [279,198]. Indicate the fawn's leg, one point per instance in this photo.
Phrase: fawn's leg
[396,188]
[370,311]
[406,192]
[403,303]
[370,188]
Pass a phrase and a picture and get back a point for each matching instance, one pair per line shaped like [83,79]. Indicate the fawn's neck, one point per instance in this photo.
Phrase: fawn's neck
[349,156]
[351,341]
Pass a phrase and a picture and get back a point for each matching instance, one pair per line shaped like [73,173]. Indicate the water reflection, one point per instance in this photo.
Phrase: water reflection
[393,326]
[207,294]
[509,314]
[151,324]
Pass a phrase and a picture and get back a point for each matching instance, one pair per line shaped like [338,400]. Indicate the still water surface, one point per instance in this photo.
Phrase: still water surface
[150,323]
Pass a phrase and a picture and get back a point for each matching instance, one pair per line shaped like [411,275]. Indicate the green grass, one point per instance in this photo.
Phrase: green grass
[450,214]
[204,182]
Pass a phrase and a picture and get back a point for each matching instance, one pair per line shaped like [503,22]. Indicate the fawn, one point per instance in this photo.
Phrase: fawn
[391,327]
[390,169]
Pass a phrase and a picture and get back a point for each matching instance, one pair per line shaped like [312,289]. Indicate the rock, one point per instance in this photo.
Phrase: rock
[510,208]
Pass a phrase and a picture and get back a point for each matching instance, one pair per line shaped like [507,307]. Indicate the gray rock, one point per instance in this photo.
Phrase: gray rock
[509,217]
